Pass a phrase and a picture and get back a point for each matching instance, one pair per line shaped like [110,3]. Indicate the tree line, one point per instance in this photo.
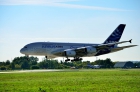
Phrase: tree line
[24,62]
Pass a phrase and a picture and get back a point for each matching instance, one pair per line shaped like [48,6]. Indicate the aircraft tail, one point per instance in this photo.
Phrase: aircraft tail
[116,34]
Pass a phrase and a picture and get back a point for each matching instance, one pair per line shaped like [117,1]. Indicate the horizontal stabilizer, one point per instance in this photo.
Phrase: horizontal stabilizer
[130,41]
[121,48]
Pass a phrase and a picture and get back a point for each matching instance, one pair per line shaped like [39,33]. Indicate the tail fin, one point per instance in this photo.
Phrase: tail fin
[116,34]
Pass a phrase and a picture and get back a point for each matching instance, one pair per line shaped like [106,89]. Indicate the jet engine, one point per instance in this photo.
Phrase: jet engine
[85,50]
[90,50]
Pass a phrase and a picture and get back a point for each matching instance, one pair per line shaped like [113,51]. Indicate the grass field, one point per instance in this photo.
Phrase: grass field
[96,80]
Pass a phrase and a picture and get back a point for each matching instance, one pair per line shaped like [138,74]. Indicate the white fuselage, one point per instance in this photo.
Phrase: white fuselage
[47,48]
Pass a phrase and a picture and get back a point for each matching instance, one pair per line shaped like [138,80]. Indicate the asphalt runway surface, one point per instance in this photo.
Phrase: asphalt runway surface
[24,71]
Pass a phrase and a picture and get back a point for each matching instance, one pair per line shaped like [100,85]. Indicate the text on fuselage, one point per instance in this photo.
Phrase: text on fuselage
[52,46]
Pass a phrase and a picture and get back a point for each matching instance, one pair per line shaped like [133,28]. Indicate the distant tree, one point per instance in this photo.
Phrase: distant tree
[99,62]
[107,63]
[17,67]
[33,60]
[52,64]
[93,63]
[60,66]
[24,62]
[79,66]
[70,64]
[25,65]
[16,60]
[3,68]
[2,64]
[12,66]
[34,67]
[86,63]
[43,64]
[7,62]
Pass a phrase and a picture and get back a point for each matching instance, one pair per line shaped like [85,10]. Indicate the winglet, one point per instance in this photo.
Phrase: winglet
[130,40]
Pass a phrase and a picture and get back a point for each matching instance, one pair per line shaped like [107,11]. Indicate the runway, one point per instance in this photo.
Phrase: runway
[24,71]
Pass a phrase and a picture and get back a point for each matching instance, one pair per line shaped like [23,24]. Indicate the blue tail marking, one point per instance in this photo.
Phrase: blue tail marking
[116,34]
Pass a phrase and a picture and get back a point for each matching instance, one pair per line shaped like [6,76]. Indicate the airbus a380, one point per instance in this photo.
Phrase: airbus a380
[77,50]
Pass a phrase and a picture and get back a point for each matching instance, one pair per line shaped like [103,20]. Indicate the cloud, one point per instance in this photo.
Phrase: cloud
[56,3]
[31,2]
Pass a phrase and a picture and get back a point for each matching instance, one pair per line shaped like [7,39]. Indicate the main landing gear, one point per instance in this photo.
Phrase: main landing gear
[67,60]
[75,59]
[27,57]
[46,57]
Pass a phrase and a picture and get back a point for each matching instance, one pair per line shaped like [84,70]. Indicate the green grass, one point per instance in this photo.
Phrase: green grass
[96,80]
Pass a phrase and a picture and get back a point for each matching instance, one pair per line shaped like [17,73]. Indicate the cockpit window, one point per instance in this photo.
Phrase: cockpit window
[25,47]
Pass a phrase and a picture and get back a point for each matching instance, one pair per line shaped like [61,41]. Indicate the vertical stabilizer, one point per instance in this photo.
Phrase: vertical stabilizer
[116,34]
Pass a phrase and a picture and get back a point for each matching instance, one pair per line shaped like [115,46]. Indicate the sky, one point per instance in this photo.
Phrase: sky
[79,21]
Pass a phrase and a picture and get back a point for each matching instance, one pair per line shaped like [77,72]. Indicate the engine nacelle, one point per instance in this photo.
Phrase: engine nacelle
[90,49]
[70,53]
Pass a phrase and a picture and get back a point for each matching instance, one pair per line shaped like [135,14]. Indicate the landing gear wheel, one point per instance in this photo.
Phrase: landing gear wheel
[46,57]
[77,59]
[72,60]
[67,60]
[80,59]
[27,56]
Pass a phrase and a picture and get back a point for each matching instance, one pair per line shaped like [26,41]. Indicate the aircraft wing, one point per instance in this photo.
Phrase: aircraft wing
[97,49]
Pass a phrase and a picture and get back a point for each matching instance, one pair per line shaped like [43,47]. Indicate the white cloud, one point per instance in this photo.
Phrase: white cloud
[56,3]
[31,2]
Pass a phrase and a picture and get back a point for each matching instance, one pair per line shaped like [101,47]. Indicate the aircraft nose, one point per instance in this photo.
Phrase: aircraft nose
[22,51]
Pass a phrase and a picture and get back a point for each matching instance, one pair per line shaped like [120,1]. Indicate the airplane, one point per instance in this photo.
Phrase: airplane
[77,50]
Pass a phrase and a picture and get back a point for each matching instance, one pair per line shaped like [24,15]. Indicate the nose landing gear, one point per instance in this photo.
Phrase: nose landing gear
[46,57]
[75,59]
